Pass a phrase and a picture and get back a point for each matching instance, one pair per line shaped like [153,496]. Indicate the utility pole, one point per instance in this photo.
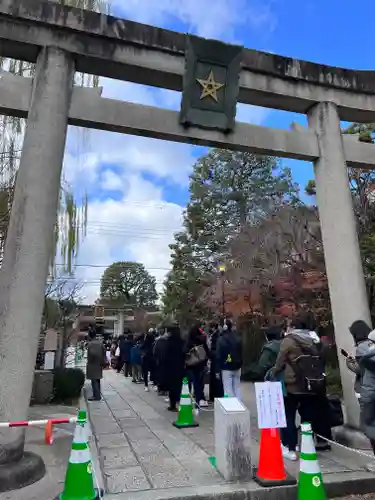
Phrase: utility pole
[222,270]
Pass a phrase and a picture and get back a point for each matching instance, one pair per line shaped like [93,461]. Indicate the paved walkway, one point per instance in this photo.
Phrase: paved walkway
[141,451]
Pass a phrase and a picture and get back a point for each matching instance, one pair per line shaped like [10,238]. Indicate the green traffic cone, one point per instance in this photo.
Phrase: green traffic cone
[310,483]
[185,416]
[79,483]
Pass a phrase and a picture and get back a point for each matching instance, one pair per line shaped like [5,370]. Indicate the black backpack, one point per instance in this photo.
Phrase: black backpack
[309,368]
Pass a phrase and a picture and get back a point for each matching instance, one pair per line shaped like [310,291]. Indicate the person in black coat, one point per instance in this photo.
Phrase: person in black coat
[147,349]
[216,385]
[196,347]
[120,361]
[174,359]
[125,345]
[160,364]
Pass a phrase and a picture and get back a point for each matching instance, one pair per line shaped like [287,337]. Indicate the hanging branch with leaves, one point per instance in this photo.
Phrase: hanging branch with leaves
[71,220]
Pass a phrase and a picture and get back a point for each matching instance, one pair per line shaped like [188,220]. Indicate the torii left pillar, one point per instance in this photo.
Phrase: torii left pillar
[27,254]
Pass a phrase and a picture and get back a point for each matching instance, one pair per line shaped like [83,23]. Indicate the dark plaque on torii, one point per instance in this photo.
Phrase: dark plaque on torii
[211,84]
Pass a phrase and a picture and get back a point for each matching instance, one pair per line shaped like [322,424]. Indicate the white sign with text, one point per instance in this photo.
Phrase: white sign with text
[270,405]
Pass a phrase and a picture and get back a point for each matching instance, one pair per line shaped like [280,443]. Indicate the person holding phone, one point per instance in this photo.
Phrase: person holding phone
[360,332]
[363,365]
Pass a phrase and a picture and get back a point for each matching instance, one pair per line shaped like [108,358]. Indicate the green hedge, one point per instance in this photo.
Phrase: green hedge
[67,384]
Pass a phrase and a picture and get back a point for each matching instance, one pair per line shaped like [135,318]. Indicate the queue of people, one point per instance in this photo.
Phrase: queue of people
[293,355]
[162,359]
[296,357]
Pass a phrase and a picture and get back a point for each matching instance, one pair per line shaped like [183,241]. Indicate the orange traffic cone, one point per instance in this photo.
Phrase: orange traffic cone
[271,470]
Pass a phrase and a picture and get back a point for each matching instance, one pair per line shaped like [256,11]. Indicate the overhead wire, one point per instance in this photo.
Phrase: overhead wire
[108,265]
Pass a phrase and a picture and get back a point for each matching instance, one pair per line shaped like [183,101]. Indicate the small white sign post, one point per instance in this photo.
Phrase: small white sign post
[232,439]
[270,405]
[49,360]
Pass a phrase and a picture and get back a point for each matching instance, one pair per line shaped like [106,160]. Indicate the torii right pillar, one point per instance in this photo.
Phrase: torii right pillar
[346,281]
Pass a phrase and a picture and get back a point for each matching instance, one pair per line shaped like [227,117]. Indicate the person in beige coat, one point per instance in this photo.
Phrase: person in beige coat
[96,361]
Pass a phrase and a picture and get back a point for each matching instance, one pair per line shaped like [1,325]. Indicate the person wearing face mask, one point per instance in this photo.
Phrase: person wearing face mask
[229,360]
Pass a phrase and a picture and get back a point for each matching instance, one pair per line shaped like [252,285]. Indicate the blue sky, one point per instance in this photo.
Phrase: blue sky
[138,187]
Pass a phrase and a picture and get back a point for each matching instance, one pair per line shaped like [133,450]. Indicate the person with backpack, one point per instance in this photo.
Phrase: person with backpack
[229,360]
[302,368]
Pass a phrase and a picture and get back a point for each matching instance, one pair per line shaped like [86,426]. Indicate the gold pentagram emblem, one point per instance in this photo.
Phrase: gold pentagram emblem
[210,87]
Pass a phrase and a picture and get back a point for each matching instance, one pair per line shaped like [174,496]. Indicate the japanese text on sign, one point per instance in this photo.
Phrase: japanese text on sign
[270,405]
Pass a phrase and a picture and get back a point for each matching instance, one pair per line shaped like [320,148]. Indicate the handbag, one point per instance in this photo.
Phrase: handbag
[117,352]
[196,355]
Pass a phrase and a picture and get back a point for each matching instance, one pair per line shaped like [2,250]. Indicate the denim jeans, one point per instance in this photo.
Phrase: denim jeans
[195,377]
[232,383]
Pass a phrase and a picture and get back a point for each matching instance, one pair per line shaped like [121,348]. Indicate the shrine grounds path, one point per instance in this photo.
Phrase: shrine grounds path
[143,457]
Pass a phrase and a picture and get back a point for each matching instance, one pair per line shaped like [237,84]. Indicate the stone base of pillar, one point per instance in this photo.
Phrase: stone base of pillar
[28,470]
[351,437]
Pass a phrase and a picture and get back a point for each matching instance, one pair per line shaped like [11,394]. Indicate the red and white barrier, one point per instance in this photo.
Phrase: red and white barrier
[48,424]
[36,423]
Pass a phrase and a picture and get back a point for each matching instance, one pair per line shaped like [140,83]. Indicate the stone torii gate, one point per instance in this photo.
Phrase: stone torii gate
[62,40]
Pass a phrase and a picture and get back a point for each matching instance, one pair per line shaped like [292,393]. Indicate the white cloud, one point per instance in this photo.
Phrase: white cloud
[138,227]
[111,181]
[208,19]
[128,217]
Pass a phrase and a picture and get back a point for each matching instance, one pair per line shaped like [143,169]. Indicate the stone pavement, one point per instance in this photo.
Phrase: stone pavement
[55,456]
[143,456]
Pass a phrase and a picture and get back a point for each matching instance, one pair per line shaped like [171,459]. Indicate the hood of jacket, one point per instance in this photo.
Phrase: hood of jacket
[304,336]
[315,337]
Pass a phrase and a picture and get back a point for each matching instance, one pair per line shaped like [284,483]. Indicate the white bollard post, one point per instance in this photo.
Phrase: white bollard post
[232,439]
